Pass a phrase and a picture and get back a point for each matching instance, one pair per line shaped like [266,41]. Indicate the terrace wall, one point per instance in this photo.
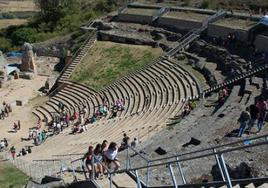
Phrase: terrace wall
[213,29]
[221,31]
[135,18]
[178,24]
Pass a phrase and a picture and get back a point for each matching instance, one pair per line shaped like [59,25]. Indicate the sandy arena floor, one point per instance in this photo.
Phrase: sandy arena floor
[16,90]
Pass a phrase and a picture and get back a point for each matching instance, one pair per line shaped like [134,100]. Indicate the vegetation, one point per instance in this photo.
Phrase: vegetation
[55,18]
[10,177]
[109,61]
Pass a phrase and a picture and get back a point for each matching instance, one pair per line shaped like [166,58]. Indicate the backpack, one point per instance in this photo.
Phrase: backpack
[245,116]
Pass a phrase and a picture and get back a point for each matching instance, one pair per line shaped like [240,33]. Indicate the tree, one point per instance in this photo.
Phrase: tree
[5,44]
[51,11]
[22,35]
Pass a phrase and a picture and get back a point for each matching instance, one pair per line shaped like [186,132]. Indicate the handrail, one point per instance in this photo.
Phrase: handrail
[80,158]
[195,157]
[237,77]
[95,159]
[138,153]
[76,53]
[211,148]
[68,154]
[46,160]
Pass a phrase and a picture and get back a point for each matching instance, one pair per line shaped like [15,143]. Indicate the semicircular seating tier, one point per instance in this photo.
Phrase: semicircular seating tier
[152,95]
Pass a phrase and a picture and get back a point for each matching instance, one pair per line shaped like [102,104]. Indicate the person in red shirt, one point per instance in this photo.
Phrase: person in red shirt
[88,159]
[262,107]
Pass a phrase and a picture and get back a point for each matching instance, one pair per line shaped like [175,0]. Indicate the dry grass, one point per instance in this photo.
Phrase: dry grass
[141,11]
[8,22]
[236,23]
[107,62]
[187,15]
[17,6]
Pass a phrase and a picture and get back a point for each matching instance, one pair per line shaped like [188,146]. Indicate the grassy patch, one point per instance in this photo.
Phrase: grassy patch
[107,62]
[10,177]
[8,22]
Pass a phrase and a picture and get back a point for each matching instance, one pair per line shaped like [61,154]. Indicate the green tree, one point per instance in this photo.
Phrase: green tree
[22,35]
[5,44]
[51,11]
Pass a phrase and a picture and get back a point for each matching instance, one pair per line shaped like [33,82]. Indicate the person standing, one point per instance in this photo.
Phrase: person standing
[243,120]
[13,152]
[262,106]
[254,115]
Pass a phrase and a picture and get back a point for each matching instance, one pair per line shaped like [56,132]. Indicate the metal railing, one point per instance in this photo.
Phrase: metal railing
[217,152]
[236,78]
[195,33]
[160,12]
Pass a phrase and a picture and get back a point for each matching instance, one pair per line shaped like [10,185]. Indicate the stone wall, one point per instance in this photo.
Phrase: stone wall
[221,31]
[45,51]
[104,36]
[135,18]
[261,43]
[213,29]
[178,24]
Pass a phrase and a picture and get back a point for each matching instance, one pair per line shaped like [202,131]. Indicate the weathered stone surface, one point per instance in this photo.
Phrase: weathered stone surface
[240,172]
[27,60]
[101,25]
[225,61]
[27,75]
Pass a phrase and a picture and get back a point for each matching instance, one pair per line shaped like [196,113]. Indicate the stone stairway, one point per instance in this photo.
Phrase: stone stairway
[78,57]
[160,13]
[237,78]
[194,34]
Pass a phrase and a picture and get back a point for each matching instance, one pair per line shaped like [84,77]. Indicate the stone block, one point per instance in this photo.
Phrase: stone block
[21,102]
[27,75]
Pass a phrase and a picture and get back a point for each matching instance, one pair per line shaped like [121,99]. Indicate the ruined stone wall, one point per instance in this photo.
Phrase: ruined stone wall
[135,18]
[213,30]
[221,31]
[261,42]
[178,24]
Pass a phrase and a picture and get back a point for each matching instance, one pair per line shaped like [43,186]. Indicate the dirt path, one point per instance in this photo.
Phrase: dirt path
[15,90]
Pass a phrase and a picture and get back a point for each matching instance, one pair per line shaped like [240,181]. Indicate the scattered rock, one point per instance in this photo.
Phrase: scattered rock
[193,141]
[160,151]
[101,25]
[240,172]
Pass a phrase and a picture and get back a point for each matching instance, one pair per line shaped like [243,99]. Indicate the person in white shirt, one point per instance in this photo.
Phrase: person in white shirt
[110,156]
[2,144]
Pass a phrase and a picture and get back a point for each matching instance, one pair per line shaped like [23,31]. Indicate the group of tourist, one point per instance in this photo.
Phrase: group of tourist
[105,155]
[24,151]
[37,136]
[254,114]
[101,111]
[5,110]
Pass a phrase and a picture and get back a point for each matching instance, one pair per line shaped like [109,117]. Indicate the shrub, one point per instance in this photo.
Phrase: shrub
[8,15]
[22,35]
[5,44]
[205,4]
